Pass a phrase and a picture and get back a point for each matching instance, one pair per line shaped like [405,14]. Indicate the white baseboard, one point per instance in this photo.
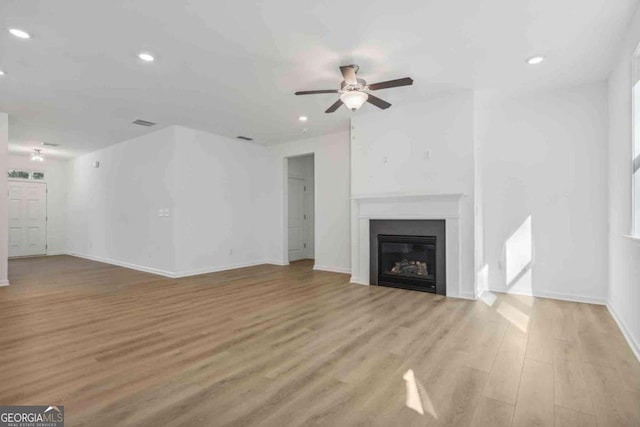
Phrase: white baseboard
[553,295]
[332,269]
[54,253]
[625,332]
[208,270]
[4,283]
[170,274]
[280,263]
[467,295]
[125,264]
[358,281]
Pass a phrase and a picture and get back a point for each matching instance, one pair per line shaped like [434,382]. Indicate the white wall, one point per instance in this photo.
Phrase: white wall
[222,203]
[302,167]
[425,147]
[113,209]
[543,160]
[332,199]
[624,252]
[217,192]
[4,207]
[55,174]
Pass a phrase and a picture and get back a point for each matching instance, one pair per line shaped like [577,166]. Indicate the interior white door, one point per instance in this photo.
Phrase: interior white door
[296,219]
[27,218]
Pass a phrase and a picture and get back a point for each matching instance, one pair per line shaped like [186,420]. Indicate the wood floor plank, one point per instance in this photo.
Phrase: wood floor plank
[535,397]
[493,413]
[565,417]
[273,345]
[504,379]
[571,390]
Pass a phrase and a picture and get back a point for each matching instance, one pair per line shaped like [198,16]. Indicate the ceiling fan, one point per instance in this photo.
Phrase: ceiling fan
[353,91]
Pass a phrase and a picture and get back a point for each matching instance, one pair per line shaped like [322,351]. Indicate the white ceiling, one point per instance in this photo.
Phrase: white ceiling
[231,67]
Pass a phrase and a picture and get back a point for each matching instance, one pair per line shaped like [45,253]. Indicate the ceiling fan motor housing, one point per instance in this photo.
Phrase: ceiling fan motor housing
[360,86]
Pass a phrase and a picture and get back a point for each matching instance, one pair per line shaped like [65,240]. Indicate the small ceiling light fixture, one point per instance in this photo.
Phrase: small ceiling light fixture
[1,73]
[146,57]
[303,118]
[37,156]
[354,99]
[19,33]
[534,60]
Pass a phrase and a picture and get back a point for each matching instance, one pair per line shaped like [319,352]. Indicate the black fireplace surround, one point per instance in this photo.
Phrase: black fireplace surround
[408,254]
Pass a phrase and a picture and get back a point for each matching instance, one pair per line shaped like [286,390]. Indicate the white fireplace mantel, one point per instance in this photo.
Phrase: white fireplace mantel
[441,206]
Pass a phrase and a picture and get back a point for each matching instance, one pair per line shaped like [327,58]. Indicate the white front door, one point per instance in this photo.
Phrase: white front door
[27,218]
[296,219]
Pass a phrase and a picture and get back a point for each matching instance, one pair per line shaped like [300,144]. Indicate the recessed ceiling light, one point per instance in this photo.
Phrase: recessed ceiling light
[303,118]
[19,33]
[146,57]
[535,60]
[1,73]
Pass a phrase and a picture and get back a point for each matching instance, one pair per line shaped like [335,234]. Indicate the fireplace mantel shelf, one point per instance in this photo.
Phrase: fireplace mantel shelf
[408,196]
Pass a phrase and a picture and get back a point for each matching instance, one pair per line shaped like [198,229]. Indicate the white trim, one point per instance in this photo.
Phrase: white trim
[467,295]
[635,347]
[280,263]
[358,281]
[4,283]
[332,269]
[634,239]
[410,216]
[125,264]
[408,196]
[553,295]
[207,270]
[54,253]
[365,208]
[171,274]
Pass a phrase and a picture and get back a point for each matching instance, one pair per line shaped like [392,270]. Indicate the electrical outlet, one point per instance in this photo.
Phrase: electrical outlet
[160,212]
[426,155]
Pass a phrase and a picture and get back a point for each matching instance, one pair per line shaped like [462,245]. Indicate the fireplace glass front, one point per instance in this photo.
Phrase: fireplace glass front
[407,262]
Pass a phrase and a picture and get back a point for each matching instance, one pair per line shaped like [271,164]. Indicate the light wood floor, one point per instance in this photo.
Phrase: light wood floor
[286,346]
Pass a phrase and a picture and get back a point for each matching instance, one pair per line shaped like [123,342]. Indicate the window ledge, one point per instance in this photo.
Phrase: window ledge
[635,239]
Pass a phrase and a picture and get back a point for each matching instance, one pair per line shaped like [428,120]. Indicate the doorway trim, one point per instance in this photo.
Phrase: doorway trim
[285,206]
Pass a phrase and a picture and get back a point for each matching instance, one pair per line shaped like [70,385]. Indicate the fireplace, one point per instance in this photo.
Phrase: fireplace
[409,254]
[407,262]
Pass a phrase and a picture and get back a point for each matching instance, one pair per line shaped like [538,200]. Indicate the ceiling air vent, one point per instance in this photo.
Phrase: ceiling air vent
[49,144]
[246,138]
[143,122]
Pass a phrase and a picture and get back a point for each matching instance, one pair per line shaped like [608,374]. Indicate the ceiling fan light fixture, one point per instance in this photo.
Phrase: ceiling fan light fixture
[37,156]
[354,99]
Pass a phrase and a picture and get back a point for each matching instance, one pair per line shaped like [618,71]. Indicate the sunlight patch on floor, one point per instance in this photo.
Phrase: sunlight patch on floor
[514,315]
[417,396]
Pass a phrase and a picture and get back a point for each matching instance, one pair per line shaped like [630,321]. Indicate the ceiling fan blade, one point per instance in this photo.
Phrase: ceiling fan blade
[407,81]
[313,92]
[334,107]
[349,74]
[378,102]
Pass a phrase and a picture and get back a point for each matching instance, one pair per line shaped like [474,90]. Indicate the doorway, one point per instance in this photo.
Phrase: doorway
[301,207]
[27,218]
